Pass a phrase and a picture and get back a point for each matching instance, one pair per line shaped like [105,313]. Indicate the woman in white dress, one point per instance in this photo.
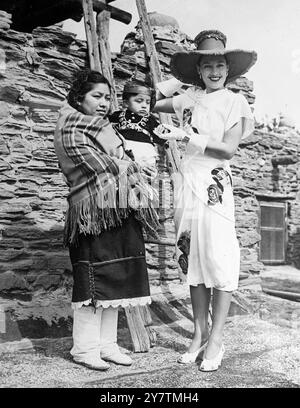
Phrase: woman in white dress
[213,121]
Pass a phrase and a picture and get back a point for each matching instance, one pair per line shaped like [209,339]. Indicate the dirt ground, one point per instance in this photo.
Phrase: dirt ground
[262,351]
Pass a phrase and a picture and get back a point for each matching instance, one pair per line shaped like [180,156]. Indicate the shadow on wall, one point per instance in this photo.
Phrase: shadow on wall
[33,258]
[35,282]
[16,327]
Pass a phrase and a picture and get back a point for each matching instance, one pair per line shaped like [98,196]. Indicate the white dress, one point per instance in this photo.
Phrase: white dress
[206,244]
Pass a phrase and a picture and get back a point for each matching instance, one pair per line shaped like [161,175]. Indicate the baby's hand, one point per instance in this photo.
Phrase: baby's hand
[169,132]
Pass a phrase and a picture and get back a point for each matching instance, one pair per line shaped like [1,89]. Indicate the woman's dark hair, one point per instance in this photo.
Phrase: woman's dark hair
[83,83]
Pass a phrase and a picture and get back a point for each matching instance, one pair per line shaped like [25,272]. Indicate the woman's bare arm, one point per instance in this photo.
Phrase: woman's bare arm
[164,105]
[227,148]
[164,93]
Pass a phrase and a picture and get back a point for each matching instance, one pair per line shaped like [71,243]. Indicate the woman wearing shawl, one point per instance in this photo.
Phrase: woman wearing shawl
[108,204]
[214,120]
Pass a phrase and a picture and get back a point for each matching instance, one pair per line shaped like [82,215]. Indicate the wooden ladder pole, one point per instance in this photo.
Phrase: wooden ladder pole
[172,152]
[141,338]
[103,19]
[91,35]
[149,42]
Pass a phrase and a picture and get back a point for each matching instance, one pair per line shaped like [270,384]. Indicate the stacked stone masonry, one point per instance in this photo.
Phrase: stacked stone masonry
[35,73]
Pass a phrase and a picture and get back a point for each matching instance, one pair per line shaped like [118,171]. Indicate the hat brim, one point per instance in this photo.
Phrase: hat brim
[184,64]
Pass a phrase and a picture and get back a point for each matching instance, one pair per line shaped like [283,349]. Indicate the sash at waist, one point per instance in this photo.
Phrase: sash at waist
[202,164]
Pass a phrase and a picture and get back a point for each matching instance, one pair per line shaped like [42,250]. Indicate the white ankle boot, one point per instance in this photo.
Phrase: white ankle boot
[94,363]
[86,338]
[113,354]
[109,350]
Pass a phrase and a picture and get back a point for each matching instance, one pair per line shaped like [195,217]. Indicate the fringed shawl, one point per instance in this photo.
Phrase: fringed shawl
[105,186]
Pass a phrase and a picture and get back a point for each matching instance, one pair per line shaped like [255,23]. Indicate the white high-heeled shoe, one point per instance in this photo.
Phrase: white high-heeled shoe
[213,364]
[188,358]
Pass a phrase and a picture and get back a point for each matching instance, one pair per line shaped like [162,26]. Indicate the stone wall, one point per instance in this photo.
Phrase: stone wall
[258,177]
[33,83]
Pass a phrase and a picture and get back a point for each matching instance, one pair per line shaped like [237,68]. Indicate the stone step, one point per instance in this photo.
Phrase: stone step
[281,280]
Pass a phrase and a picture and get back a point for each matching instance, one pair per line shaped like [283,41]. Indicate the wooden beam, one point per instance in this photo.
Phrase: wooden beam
[29,14]
[91,35]
[173,155]
[284,160]
[283,294]
[116,14]
[103,19]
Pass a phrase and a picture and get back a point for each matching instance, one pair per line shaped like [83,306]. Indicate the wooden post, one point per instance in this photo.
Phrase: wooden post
[147,319]
[136,324]
[103,19]
[91,35]
[173,154]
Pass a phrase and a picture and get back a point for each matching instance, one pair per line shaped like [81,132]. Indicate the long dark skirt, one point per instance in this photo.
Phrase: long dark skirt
[110,269]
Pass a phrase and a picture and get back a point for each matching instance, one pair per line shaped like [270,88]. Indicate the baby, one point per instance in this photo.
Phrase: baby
[137,125]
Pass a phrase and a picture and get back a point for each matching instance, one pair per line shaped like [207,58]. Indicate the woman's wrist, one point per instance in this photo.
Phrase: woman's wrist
[199,141]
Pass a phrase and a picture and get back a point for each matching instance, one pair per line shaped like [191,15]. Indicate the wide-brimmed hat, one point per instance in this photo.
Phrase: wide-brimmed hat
[210,42]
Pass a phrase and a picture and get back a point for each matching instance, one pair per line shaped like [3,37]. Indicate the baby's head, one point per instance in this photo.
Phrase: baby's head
[138,99]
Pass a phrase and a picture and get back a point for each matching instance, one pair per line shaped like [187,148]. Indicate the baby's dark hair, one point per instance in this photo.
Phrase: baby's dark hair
[84,81]
[127,95]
